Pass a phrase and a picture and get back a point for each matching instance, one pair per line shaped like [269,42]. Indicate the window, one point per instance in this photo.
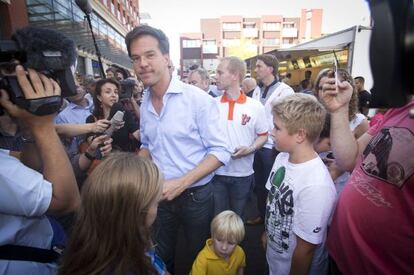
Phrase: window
[271,26]
[271,42]
[194,43]
[308,29]
[210,46]
[231,42]
[289,25]
[112,7]
[231,26]
[309,14]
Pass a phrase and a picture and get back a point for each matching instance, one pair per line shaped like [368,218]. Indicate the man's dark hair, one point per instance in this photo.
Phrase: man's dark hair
[141,30]
[194,67]
[360,78]
[304,84]
[288,75]
[271,61]
[308,74]
[110,69]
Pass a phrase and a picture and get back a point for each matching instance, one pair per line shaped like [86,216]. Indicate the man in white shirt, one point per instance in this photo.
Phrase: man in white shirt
[269,90]
[244,122]
[26,195]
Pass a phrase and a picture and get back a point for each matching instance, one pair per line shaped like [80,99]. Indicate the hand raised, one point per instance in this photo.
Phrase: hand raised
[335,97]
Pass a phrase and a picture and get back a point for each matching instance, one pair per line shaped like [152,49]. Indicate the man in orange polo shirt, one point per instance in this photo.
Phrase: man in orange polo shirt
[244,122]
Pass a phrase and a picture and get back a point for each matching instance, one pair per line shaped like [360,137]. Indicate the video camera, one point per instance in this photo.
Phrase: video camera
[46,51]
[392,52]
[127,88]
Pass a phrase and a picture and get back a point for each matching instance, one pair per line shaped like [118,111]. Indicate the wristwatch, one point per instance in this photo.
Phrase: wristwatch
[27,140]
[89,156]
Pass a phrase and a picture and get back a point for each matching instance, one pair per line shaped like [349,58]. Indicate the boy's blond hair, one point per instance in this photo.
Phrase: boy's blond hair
[228,226]
[301,111]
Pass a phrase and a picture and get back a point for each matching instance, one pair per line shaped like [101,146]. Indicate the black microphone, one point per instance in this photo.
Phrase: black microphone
[46,49]
[117,106]
[116,116]
[51,51]
[84,6]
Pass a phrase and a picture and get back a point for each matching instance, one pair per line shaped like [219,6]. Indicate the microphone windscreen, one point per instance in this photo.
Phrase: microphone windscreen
[115,108]
[84,6]
[46,49]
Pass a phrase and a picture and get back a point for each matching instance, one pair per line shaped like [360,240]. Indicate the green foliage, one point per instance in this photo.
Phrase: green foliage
[246,49]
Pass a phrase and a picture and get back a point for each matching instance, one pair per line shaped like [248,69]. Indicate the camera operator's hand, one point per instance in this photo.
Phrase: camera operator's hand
[40,86]
[335,97]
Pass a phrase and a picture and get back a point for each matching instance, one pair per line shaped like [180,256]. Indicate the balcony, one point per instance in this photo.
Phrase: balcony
[210,49]
[250,32]
[290,32]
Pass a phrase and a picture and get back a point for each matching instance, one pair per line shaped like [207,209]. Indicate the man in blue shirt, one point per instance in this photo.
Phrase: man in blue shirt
[180,132]
[79,108]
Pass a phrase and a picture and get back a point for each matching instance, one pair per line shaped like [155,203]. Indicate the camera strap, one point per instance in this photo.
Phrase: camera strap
[30,254]
[14,252]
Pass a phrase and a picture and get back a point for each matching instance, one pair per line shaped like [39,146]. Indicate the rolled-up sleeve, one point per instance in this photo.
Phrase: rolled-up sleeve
[211,133]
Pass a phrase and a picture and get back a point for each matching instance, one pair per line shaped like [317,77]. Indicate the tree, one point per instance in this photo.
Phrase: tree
[246,48]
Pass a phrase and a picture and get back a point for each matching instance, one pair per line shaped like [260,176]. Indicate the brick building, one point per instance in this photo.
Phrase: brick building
[232,35]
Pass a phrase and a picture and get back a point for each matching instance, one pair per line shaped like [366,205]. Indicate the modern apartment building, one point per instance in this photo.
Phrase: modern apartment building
[111,20]
[238,35]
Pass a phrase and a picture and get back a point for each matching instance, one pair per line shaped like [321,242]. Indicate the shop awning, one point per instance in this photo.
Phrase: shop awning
[333,42]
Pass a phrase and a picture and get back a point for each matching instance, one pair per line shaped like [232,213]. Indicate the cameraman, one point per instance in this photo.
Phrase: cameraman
[372,228]
[27,196]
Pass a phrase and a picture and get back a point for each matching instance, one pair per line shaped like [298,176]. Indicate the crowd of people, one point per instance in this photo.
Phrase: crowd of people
[84,192]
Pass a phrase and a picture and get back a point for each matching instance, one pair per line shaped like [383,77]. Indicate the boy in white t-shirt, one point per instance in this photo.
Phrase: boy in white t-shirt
[301,192]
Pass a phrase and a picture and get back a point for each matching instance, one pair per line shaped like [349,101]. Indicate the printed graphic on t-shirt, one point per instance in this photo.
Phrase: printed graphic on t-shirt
[245,119]
[279,210]
[389,156]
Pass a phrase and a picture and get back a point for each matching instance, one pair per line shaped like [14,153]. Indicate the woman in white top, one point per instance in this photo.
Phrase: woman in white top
[357,122]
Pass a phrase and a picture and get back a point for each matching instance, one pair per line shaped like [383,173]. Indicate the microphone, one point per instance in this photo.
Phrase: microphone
[51,51]
[46,49]
[84,6]
[117,106]
[116,116]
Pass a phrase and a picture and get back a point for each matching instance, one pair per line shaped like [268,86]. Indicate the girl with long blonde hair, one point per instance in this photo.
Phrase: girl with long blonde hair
[112,230]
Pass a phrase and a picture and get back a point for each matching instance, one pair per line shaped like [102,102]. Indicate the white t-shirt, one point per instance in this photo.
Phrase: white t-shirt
[242,120]
[25,197]
[278,91]
[300,201]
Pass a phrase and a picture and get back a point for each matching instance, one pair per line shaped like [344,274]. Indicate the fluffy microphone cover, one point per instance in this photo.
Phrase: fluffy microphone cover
[46,49]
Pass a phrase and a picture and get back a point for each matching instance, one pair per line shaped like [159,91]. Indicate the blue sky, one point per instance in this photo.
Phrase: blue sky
[175,17]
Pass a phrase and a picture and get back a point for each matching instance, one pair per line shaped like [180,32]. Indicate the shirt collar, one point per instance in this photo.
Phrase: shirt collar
[175,86]
[210,254]
[241,99]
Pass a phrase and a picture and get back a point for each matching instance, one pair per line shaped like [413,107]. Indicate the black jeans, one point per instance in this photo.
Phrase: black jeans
[193,209]
[263,162]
